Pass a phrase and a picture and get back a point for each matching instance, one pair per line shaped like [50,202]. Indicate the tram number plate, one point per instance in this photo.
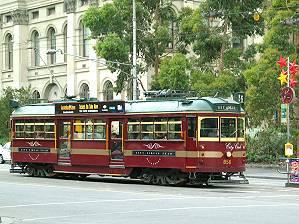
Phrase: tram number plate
[227,162]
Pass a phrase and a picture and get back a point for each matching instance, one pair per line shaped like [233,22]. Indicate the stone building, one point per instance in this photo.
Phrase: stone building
[28,28]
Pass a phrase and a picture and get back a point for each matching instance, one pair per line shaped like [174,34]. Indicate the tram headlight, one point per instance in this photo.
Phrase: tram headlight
[228,154]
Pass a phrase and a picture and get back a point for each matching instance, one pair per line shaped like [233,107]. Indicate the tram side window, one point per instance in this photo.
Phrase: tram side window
[65,129]
[99,129]
[155,128]
[133,129]
[39,130]
[79,129]
[30,129]
[241,128]
[160,125]
[147,128]
[20,129]
[175,128]
[209,128]
[228,127]
[89,129]
[49,130]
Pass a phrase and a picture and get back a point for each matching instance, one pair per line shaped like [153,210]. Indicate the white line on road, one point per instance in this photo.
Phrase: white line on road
[163,209]
[142,199]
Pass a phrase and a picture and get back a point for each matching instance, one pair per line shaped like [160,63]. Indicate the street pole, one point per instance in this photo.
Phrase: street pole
[134,68]
[288,105]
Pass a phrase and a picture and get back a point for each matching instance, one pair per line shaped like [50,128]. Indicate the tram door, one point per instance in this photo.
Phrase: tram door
[191,145]
[64,142]
[116,141]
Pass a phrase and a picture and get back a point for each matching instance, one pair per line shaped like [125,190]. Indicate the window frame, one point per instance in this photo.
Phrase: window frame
[208,139]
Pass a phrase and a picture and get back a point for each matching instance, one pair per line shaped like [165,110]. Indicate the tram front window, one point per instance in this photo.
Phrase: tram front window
[228,127]
[209,128]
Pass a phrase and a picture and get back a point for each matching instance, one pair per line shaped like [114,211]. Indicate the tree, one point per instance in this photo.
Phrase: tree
[263,88]
[111,25]
[216,23]
[22,95]
[173,74]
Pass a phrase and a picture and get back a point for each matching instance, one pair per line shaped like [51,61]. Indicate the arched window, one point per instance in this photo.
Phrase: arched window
[8,52]
[35,96]
[84,91]
[83,39]
[35,49]
[51,44]
[65,43]
[108,91]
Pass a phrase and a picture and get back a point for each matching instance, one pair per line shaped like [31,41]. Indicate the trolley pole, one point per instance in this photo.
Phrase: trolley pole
[134,68]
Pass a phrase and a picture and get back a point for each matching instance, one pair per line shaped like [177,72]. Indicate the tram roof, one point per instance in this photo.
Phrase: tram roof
[204,104]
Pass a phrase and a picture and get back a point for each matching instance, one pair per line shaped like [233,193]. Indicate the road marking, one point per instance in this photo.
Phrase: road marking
[163,209]
[144,199]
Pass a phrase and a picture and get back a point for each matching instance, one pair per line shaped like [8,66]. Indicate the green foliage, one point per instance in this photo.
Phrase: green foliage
[111,25]
[22,95]
[173,74]
[263,88]
[267,145]
[206,83]
[213,42]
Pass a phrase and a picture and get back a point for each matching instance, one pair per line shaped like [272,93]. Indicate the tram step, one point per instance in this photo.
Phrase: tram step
[117,166]
[16,170]
[242,181]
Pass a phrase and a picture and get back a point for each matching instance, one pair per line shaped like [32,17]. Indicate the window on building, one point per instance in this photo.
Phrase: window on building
[65,43]
[83,2]
[84,91]
[35,49]
[108,91]
[9,51]
[35,14]
[83,39]
[35,96]
[8,18]
[51,44]
[51,11]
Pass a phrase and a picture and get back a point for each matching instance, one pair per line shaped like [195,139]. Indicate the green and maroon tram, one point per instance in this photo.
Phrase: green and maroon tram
[168,142]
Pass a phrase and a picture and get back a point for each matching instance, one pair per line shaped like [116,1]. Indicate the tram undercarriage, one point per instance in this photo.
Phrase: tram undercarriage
[164,177]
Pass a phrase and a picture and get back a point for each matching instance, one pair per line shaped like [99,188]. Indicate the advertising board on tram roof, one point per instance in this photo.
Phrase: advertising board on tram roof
[90,107]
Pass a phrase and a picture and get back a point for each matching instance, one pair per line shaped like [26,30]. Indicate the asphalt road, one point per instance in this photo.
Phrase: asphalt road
[26,199]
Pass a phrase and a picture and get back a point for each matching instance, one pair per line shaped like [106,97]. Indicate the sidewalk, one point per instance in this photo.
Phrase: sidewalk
[264,172]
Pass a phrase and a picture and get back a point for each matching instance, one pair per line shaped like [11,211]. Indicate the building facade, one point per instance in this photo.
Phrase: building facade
[29,28]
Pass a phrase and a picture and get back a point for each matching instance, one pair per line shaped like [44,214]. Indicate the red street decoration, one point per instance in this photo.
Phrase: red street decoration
[293,67]
[287,77]
[282,62]
[293,83]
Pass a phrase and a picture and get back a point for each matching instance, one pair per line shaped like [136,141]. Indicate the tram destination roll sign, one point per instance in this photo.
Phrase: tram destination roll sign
[90,107]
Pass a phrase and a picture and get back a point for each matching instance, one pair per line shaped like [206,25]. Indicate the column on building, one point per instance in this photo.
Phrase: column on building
[93,71]
[1,54]
[20,37]
[70,6]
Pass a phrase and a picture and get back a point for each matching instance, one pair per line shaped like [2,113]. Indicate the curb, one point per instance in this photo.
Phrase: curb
[266,177]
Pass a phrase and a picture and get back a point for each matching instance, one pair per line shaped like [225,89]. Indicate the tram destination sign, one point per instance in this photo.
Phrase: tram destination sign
[90,107]
[227,107]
